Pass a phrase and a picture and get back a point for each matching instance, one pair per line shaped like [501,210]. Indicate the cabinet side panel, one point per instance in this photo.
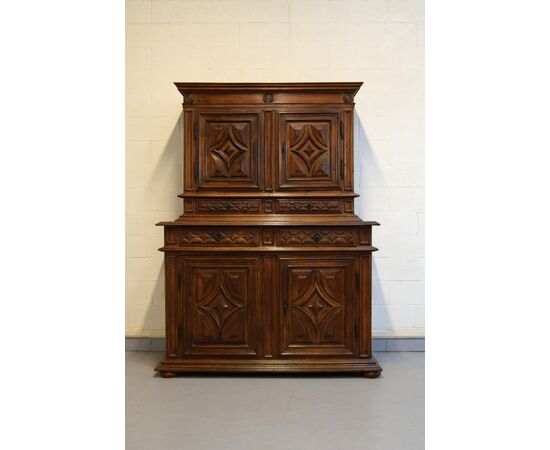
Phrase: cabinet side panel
[365,306]
[348,149]
[172,288]
[188,153]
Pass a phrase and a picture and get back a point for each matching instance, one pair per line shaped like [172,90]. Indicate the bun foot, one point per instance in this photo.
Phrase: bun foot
[372,374]
[168,374]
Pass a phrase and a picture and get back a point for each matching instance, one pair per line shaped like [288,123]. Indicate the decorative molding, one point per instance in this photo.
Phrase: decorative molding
[189,98]
[268,98]
[379,344]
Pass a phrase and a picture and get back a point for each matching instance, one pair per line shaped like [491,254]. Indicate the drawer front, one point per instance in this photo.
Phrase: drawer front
[215,237]
[316,236]
[308,206]
[238,206]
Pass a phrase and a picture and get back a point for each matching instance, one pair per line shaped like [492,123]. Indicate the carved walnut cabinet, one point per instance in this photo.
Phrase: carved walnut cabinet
[268,269]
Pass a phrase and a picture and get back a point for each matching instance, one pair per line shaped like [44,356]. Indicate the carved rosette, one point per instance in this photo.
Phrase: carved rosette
[348,98]
[189,98]
[268,98]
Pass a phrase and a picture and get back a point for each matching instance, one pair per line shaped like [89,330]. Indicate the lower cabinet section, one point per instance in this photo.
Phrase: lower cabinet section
[268,312]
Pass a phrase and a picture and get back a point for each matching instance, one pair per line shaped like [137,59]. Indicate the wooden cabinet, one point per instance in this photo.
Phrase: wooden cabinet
[268,269]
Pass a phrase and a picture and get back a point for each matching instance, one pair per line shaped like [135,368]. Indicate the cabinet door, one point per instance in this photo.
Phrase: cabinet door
[318,301]
[228,151]
[309,155]
[219,306]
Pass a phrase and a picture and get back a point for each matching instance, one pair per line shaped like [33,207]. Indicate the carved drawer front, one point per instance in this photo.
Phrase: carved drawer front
[237,206]
[308,206]
[317,236]
[219,237]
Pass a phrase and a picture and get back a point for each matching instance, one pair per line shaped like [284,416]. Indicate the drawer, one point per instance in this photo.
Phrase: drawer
[308,206]
[236,206]
[343,236]
[218,236]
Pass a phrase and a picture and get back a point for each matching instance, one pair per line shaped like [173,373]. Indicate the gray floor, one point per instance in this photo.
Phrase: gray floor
[253,412]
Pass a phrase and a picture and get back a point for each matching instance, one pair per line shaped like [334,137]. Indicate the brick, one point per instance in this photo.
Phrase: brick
[138,247]
[170,11]
[406,199]
[264,33]
[373,198]
[393,316]
[167,164]
[229,11]
[406,151]
[406,175]
[309,11]
[309,57]
[138,104]
[402,222]
[138,152]
[152,34]
[138,12]
[166,199]
[406,292]
[138,175]
[150,128]
[138,58]
[406,246]
[406,10]
[143,269]
[394,269]
[138,199]
[359,10]
[419,315]
[178,57]
[137,223]
[420,268]
[379,292]
[210,34]
[279,11]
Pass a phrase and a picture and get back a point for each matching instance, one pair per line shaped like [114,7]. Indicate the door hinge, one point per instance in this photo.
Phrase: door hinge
[341,129]
[342,167]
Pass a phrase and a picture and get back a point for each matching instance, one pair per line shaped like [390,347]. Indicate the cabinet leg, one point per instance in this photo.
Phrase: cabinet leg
[168,374]
[372,374]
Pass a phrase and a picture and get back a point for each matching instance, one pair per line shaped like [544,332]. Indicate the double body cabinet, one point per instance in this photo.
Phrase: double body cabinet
[268,268]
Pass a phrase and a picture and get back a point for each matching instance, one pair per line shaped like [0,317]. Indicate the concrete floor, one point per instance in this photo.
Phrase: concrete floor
[283,412]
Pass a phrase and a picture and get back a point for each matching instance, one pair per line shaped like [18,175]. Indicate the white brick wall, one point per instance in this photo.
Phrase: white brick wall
[379,42]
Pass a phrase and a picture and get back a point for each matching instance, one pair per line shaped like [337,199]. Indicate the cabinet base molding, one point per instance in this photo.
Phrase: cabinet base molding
[367,366]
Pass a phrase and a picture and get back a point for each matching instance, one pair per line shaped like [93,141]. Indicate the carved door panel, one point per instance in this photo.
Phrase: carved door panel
[318,305]
[309,154]
[228,151]
[219,306]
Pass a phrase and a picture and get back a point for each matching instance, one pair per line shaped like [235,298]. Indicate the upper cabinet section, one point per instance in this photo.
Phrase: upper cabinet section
[268,138]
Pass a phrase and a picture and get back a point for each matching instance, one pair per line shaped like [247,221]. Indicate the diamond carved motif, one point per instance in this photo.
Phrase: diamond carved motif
[219,303]
[309,146]
[317,307]
[226,150]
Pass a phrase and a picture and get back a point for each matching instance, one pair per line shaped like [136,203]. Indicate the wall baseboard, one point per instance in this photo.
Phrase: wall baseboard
[379,344]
